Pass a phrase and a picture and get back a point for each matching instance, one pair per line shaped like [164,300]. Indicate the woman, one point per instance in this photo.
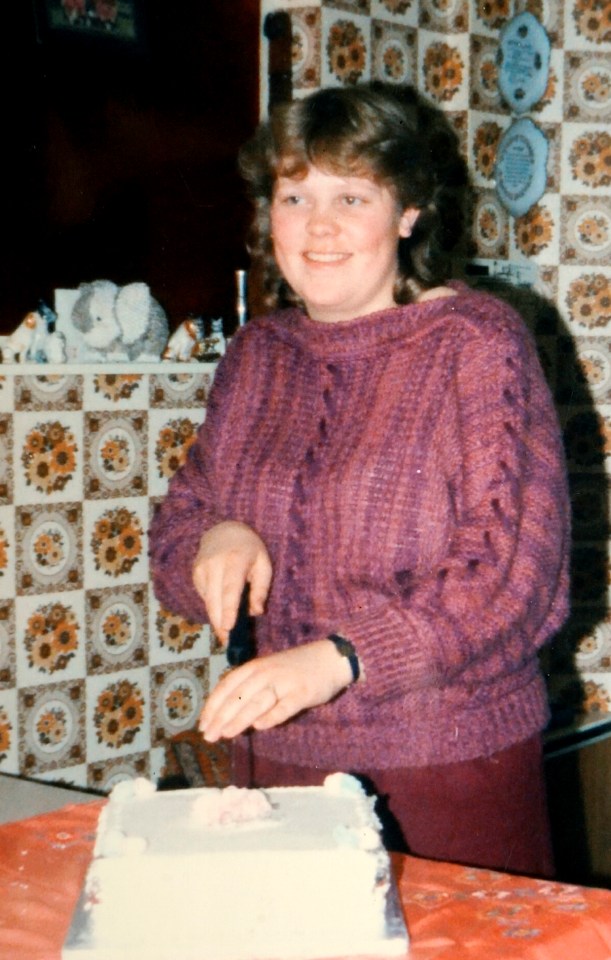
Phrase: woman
[381,464]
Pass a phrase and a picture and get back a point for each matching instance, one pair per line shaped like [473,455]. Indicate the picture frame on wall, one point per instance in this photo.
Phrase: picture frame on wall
[107,22]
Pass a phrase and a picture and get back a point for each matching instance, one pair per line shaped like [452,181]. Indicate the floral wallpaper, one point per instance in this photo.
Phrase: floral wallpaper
[95,675]
[448,49]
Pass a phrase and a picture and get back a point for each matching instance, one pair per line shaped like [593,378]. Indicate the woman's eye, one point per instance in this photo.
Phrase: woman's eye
[291,200]
[351,201]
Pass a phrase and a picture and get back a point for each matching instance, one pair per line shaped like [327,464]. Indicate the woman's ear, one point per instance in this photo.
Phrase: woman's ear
[407,221]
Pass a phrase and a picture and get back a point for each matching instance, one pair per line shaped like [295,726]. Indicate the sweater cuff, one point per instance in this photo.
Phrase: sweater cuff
[397,650]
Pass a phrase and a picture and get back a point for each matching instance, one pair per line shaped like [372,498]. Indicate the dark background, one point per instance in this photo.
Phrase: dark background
[119,159]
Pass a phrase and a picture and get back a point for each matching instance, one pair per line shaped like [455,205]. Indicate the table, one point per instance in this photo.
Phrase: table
[453,912]
[20,798]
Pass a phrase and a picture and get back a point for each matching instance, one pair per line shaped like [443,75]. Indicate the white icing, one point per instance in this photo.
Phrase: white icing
[116,844]
[342,783]
[228,807]
[200,874]
[136,789]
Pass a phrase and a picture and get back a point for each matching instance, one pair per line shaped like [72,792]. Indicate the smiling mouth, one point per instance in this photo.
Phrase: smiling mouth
[325,257]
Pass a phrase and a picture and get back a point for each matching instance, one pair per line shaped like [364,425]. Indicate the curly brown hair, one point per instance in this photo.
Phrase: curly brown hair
[386,132]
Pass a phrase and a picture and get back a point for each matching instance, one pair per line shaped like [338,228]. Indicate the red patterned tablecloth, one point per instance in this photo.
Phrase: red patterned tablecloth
[452,912]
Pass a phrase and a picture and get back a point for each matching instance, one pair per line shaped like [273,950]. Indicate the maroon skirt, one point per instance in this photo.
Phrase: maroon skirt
[488,812]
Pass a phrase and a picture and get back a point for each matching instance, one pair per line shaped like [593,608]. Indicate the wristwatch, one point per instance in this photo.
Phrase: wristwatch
[346,649]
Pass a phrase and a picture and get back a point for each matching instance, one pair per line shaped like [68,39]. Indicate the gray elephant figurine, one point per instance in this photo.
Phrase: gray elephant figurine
[119,323]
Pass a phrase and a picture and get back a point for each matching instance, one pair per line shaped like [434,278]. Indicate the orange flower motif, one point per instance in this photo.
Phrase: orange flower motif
[119,714]
[122,517]
[35,441]
[488,225]
[596,699]
[115,454]
[106,701]
[346,51]
[37,470]
[443,71]
[596,87]
[48,549]
[589,300]
[594,231]
[103,527]
[549,92]
[590,159]
[37,624]
[4,545]
[57,613]
[173,444]
[110,730]
[116,628]
[602,297]
[493,12]
[176,633]
[117,386]
[116,542]
[49,457]
[489,75]
[591,370]
[51,726]
[179,703]
[593,19]
[66,635]
[533,231]
[51,638]
[166,437]
[130,543]
[63,459]
[41,654]
[394,62]
[44,544]
[56,433]
[5,733]
[485,146]
[397,6]
[132,711]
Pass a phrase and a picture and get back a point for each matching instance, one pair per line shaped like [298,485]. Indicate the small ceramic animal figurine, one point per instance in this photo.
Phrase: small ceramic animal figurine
[119,323]
[185,342]
[35,340]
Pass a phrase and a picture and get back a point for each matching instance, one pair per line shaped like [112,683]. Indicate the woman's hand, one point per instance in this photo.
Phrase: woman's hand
[267,691]
[230,555]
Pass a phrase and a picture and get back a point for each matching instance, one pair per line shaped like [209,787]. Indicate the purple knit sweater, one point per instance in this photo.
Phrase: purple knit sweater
[405,471]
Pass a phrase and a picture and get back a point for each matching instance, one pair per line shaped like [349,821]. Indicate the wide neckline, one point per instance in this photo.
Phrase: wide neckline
[367,334]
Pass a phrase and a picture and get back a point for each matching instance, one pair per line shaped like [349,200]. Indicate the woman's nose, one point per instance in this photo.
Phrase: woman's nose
[322,219]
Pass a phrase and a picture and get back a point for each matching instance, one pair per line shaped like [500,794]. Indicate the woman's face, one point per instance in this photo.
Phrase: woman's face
[335,242]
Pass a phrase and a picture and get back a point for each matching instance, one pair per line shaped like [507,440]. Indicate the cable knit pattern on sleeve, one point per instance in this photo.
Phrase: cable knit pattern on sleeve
[406,472]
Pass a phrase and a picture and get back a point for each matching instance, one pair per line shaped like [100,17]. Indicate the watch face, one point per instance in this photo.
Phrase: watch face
[345,649]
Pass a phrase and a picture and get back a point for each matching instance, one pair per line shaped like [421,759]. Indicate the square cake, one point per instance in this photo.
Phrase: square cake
[235,874]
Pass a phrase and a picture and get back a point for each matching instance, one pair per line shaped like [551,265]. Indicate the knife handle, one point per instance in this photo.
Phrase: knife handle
[241,645]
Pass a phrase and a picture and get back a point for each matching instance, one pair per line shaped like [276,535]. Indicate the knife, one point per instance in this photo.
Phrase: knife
[241,645]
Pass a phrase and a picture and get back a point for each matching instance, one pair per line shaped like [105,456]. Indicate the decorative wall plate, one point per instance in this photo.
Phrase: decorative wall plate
[524,54]
[521,166]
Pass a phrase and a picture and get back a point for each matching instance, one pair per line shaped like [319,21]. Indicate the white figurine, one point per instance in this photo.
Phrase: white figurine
[185,342]
[119,323]
[35,340]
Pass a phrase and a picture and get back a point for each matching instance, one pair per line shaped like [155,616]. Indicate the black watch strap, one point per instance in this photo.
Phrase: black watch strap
[345,649]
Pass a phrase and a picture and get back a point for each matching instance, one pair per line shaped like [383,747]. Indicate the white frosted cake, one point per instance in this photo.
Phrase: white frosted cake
[208,874]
